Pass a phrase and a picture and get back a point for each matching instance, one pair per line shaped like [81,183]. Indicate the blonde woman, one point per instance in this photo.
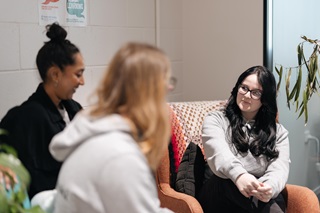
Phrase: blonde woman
[111,150]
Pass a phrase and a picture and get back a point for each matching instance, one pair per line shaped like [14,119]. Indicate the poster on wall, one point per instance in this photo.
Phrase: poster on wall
[65,12]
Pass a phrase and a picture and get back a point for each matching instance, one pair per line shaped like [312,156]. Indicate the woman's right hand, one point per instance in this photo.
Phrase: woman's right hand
[247,184]
[264,192]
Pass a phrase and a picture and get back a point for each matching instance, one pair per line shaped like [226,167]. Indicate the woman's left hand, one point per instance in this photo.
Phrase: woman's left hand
[263,192]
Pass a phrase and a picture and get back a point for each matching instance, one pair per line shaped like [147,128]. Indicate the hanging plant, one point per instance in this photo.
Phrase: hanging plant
[308,66]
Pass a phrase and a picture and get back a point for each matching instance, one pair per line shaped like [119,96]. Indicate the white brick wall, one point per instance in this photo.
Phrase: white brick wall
[110,24]
[171,26]
[9,47]
[207,46]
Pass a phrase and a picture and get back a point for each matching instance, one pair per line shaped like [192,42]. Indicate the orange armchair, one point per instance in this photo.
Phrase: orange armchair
[187,119]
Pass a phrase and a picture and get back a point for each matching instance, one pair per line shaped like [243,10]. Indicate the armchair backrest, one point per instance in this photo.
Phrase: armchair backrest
[187,119]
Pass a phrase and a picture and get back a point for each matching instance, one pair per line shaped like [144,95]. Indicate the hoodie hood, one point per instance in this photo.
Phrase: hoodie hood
[82,128]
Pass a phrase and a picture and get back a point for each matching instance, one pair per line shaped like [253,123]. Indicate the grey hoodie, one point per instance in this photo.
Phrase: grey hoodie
[103,170]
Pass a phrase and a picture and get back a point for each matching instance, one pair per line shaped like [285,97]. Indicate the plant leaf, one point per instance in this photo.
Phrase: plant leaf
[287,87]
[305,100]
[10,161]
[4,206]
[3,132]
[301,110]
[304,38]
[280,73]
[8,149]
[299,50]
[304,59]
[314,76]
[297,105]
[35,209]
[298,83]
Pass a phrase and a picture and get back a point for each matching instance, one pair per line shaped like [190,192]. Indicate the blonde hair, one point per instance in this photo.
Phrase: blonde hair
[135,86]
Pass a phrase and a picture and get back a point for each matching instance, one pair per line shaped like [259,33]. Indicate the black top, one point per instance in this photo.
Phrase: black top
[31,127]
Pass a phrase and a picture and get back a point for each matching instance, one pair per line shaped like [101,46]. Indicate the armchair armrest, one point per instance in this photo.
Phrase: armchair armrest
[176,201]
[169,198]
[300,199]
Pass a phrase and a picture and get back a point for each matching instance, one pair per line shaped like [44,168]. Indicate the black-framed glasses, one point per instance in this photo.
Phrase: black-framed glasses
[254,94]
[172,83]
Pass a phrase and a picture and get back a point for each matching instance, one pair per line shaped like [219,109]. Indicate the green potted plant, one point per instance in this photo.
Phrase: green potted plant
[300,94]
[12,201]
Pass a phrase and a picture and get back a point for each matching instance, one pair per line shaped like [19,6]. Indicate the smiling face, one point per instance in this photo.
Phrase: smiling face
[249,107]
[70,79]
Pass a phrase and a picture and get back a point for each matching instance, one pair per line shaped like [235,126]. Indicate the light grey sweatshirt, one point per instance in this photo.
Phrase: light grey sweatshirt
[103,170]
[227,163]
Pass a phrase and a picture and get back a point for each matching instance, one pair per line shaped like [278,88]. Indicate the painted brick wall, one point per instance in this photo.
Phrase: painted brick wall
[110,24]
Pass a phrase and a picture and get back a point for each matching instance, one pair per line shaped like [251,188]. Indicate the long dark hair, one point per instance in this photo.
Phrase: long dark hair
[264,129]
[57,51]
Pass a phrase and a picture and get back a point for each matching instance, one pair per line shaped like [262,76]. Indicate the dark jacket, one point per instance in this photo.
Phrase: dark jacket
[31,127]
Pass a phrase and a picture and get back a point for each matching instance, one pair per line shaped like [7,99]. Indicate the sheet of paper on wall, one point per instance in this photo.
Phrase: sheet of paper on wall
[65,12]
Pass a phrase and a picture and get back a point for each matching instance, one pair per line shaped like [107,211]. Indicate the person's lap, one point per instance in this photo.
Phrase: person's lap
[222,195]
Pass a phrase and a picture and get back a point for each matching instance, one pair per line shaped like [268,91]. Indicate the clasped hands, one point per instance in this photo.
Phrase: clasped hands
[249,186]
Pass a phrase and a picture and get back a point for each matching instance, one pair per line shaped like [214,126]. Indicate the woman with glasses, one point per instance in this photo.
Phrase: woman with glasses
[246,149]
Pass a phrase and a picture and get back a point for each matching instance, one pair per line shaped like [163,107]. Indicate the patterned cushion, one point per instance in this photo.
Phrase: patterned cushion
[187,119]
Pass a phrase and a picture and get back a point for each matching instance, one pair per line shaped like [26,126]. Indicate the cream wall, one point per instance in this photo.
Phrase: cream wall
[221,39]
